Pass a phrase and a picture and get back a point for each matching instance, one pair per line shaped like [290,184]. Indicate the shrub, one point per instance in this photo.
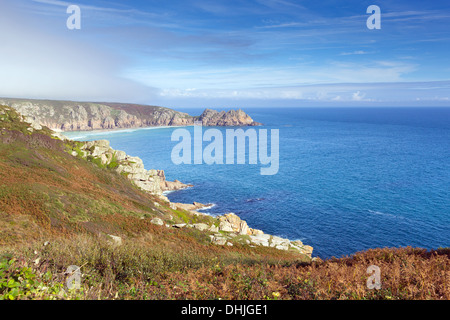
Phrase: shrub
[18,281]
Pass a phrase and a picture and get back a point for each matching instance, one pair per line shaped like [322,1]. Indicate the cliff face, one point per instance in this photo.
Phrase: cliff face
[231,118]
[82,116]
[152,181]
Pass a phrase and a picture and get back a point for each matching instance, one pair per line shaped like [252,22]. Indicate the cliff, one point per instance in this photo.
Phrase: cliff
[230,118]
[82,116]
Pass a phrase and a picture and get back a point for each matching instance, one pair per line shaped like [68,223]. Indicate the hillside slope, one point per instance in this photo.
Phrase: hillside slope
[58,210]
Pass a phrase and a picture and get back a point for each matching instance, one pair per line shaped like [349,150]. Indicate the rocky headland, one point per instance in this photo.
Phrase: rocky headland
[84,116]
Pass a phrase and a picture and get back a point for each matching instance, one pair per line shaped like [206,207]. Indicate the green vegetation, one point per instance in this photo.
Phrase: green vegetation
[113,163]
[10,120]
[143,268]
[71,145]
[17,281]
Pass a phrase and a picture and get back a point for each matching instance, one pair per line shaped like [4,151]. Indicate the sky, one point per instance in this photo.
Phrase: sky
[228,53]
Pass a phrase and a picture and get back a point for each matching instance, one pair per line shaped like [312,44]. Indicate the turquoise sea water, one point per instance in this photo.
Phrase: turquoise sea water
[349,178]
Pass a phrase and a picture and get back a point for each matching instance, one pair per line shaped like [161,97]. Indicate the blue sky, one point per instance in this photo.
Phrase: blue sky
[228,53]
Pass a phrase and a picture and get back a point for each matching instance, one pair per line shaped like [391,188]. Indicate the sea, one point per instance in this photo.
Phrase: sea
[349,179]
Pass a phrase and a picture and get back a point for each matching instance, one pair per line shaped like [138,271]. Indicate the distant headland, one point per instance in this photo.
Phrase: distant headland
[85,116]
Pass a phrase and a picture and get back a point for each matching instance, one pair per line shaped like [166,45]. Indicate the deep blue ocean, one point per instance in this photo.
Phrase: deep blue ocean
[349,178]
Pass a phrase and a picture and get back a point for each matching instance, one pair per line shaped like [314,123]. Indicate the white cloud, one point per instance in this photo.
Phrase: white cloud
[130,57]
[334,94]
[357,52]
[228,78]
[357,96]
[59,64]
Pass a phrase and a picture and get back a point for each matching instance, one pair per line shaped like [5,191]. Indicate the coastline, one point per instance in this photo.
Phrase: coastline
[153,181]
[148,245]
[111,131]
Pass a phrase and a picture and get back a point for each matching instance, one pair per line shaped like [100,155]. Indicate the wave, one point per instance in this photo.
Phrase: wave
[207,207]
[170,191]
[76,137]
[87,134]
[390,215]
[255,199]
[160,127]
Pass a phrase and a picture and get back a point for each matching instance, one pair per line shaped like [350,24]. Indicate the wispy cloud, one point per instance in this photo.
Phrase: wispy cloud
[88,7]
[255,49]
[327,94]
[357,52]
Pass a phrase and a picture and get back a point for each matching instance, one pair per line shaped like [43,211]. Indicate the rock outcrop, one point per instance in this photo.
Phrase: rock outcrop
[231,118]
[228,227]
[232,224]
[83,116]
[152,181]
[191,206]
[170,185]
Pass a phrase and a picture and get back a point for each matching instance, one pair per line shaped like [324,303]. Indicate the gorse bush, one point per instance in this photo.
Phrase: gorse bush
[19,281]
[143,269]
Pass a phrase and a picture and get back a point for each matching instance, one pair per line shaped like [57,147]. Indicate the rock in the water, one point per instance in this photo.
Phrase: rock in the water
[191,207]
[170,185]
[230,118]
